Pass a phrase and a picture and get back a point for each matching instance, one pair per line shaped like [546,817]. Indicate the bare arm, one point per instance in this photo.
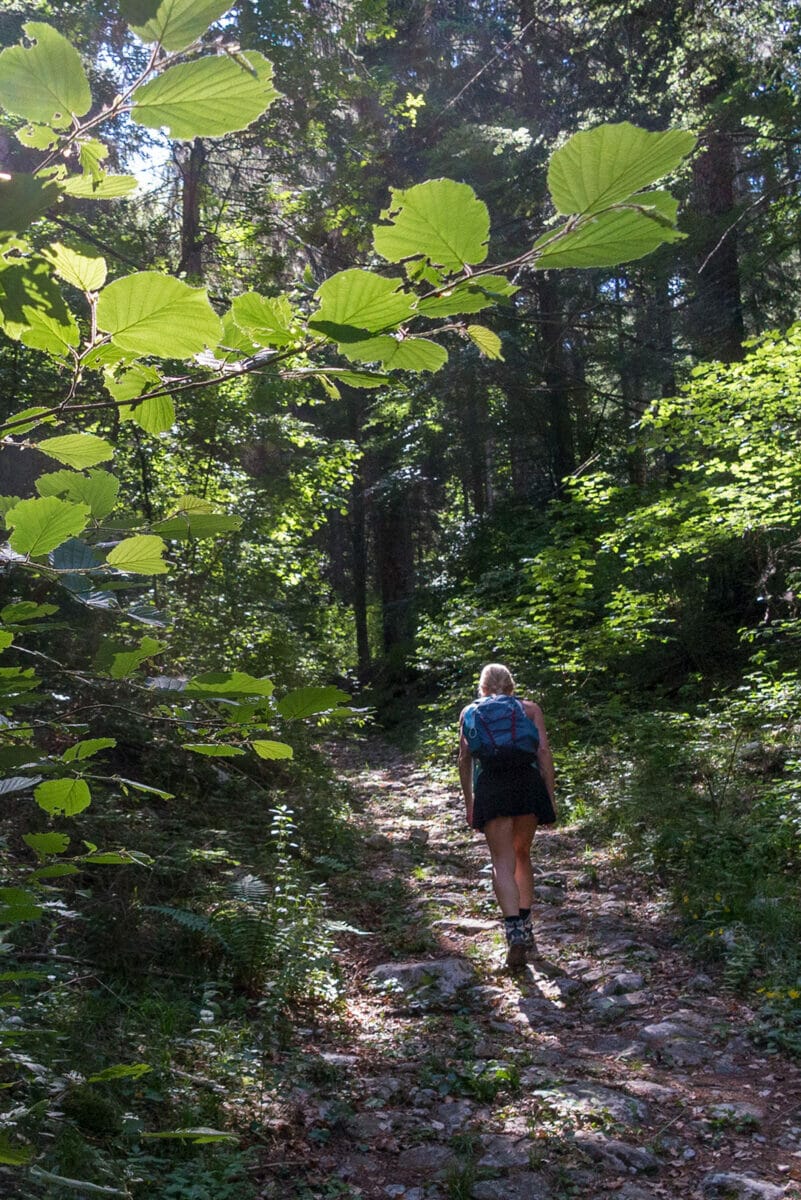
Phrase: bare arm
[466,773]
[544,755]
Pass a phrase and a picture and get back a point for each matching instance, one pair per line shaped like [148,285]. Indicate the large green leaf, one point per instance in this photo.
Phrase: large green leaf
[354,301]
[468,297]
[151,313]
[174,23]
[50,334]
[306,701]
[121,1071]
[37,137]
[440,220]
[603,166]
[267,320]
[26,610]
[154,415]
[77,449]
[128,384]
[45,844]
[201,1135]
[64,797]
[272,750]
[42,525]
[400,354]
[27,286]
[98,489]
[23,198]
[198,525]
[45,81]
[213,749]
[87,274]
[99,186]
[228,683]
[140,555]
[126,662]
[87,749]
[617,236]
[17,905]
[207,98]
[489,343]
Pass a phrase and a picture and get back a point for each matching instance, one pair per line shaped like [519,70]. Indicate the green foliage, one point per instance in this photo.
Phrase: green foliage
[601,167]
[421,224]
[208,98]
[41,525]
[151,313]
[174,24]
[45,81]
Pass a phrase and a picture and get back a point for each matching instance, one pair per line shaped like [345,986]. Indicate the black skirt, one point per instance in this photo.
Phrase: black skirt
[511,791]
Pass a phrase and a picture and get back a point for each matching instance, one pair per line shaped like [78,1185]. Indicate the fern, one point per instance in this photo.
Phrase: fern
[197,922]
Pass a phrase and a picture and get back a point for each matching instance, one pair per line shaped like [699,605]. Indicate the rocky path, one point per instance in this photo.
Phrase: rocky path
[611,1067]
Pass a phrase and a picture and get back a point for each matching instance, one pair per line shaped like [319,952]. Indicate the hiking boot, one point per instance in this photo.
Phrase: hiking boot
[516,943]
[528,931]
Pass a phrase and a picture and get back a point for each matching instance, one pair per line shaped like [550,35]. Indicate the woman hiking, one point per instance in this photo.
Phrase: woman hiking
[506,773]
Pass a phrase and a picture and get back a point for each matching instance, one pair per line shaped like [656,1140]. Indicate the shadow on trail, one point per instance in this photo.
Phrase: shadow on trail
[454,1079]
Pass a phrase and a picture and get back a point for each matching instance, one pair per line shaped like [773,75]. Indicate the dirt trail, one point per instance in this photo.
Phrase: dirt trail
[611,1067]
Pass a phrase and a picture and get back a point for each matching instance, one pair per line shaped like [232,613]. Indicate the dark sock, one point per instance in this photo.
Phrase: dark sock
[525,913]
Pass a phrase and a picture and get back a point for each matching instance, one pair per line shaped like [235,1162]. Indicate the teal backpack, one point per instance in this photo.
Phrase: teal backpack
[498,731]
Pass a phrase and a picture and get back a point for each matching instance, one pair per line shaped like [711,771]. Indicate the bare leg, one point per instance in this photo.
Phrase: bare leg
[523,829]
[499,835]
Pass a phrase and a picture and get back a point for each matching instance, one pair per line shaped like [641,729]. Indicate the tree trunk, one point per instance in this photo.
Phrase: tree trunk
[359,572]
[190,163]
[718,311]
[394,567]
[555,375]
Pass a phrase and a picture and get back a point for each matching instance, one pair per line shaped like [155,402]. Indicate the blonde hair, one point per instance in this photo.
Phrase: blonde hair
[496,679]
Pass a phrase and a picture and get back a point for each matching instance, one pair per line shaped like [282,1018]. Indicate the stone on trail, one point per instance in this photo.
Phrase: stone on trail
[466,925]
[677,1041]
[594,1100]
[649,1090]
[378,841]
[727,1185]
[626,982]
[425,1160]
[525,1185]
[549,894]
[426,982]
[505,1152]
[736,1112]
[621,1156]
[453,1117]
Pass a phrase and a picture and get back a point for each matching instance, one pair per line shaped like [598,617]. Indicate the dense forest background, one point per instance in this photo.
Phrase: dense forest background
[607,501]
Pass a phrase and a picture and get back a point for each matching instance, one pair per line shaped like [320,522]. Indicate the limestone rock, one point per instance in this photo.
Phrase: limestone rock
[505,1152]
[454,1117]
[727,1185]
[677,1041]
[427,982]
[465,925]
[592,1099]
[425,1160]
[627,981]
[620,1156]
[649,1090]
[525,1185]
[549,894]
[737,1113]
